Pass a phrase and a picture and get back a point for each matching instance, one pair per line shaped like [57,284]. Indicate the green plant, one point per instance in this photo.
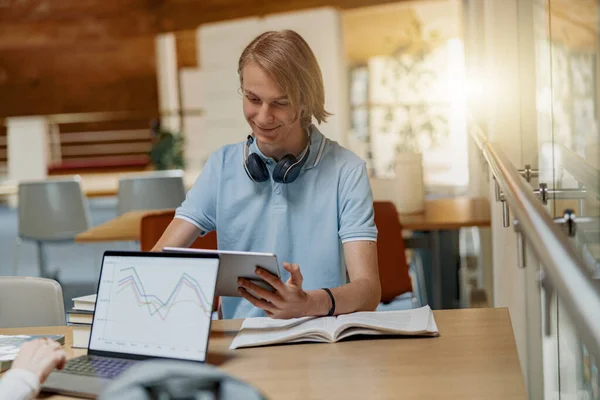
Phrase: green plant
[167,149]
[425,124]
[420,124]
[425,127]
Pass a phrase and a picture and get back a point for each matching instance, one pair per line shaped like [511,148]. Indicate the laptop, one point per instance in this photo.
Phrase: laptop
[149,305]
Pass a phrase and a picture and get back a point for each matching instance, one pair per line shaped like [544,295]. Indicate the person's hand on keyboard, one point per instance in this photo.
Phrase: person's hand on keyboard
[40,357]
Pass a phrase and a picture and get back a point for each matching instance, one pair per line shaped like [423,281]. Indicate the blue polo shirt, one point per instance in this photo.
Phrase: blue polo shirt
[304,222]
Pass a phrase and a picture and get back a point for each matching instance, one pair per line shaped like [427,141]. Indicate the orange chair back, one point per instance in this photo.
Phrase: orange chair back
[391,258]
[154,225]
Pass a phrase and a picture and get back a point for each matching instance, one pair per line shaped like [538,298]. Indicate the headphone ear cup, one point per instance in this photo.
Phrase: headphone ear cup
[283,166]
[256,168]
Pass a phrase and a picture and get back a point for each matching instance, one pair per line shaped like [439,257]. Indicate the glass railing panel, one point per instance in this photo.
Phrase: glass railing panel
[574,150]
[578,369]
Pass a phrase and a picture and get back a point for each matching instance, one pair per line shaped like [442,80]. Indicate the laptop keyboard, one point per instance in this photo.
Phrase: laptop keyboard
[97,366]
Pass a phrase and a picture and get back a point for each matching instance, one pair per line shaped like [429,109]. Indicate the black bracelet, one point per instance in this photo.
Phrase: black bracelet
[332,309]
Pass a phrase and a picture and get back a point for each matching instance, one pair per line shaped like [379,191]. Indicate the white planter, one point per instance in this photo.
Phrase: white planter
[383,189]
[409,187]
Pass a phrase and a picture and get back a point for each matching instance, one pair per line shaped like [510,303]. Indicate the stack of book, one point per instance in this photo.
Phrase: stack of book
[80,319]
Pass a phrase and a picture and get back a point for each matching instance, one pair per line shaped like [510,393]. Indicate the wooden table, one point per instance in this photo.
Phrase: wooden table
[125,227]
[441,214]
[452,213]
[474,358]
[97,184]
[444,215]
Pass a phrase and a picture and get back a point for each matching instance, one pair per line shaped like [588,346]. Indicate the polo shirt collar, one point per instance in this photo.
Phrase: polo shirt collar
[316,143]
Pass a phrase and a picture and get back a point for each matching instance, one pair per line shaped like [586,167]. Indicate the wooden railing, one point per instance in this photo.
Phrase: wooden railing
[98,141]
[101,146]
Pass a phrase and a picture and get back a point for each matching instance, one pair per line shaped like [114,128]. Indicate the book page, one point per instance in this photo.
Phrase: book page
[268,332]
[417,321]
[351,331]
[270,323]
[90,298]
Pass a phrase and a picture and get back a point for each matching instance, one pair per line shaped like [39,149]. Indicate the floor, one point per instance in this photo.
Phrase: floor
[77,264]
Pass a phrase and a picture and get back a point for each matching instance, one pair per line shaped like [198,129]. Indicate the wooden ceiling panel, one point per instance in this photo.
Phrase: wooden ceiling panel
[79,79]
[69,10]
[70,56]
[61,22]
[189,14]
[52,34]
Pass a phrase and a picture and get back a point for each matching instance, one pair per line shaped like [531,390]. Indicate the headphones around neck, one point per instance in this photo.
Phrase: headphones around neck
[287,169]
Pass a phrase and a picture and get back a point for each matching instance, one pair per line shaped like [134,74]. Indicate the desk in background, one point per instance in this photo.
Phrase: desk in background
[125,227]
[96,184]
[440,217]
[454,213]
[474,358]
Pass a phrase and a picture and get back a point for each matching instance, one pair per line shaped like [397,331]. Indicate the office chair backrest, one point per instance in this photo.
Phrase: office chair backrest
[391,258]
[27,301]
[154,224]
[155,191]
[53,209]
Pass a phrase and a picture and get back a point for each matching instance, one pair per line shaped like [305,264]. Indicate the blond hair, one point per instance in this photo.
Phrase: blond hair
[289,60]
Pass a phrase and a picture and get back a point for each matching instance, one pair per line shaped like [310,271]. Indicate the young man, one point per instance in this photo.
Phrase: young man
[288,190]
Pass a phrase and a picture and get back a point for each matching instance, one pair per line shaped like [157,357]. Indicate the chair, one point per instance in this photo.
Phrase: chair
[153,225]
[27,301]
[401,285]
[155,191]
[53,210]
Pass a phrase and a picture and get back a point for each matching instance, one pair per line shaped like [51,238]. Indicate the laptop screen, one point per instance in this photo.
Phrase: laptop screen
[155,305]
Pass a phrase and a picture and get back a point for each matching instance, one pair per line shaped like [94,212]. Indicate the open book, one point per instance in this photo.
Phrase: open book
[266,331]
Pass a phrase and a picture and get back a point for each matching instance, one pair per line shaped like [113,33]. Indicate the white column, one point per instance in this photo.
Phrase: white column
[219,47]
[191,99]
[27,146]
[168,83]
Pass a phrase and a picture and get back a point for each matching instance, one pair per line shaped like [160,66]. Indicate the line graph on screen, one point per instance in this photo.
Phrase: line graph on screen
[145,306]
[154,304]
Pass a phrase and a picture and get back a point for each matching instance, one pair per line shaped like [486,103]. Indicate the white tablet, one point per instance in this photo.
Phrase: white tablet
[237,264]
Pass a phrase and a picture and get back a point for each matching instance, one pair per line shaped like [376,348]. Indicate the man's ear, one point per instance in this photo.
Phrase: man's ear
[303,113]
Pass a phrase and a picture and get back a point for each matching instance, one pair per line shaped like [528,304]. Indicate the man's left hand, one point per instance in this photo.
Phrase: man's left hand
[287,301]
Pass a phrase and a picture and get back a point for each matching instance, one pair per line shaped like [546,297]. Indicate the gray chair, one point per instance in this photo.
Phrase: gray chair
[53,210]
[153,191]
[27,301]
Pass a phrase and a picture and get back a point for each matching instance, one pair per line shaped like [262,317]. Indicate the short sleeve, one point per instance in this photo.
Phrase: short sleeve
[200,204]
[356,215]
